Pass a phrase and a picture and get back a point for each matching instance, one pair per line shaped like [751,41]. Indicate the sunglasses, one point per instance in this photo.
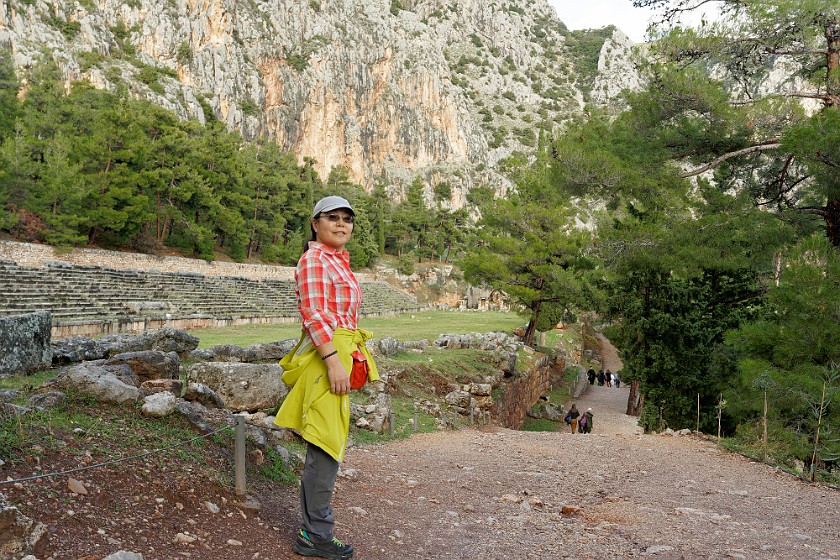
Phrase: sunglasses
[335,218]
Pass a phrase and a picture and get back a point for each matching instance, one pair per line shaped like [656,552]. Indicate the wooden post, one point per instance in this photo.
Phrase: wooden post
[416,420]
[817,436]
[698,414]
[239,456]
[393,422]
[764,421]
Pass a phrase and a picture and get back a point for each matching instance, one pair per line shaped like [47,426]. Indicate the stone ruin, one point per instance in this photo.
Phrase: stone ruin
[25,343]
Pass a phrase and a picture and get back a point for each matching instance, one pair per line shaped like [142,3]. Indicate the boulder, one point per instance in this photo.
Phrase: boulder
[387,346]
[194,413]
[9,409]
[159,405]
[553,412]
[200,393]
[76,349]
[164,340]
[174,386]
[253,353]
[149,364]
[124,555]
[94,380]
[47,400]
[460,399]
[481,389]
[19,535]
[243,387]
[25,343]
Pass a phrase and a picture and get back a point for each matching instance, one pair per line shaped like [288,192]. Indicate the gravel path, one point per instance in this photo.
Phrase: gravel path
[615,493]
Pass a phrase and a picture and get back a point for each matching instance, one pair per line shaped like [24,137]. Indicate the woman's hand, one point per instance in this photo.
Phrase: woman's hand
[338,376]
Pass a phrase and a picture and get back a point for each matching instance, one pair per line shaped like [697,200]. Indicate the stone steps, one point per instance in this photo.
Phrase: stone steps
[73,292]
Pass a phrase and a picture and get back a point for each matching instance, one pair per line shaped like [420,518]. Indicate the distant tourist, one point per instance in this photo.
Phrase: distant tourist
[329,360]
[585,422]
[572,418]
[617,380]
[601,377]
[591,375]
[608,378]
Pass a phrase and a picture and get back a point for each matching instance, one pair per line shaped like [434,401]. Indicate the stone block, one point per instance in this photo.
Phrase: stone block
[25,343]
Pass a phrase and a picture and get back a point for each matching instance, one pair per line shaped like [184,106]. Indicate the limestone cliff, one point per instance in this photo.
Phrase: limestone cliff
[388,88]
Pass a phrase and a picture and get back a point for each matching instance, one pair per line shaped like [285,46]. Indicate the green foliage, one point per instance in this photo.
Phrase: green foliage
[9,87]
[585,49]
[149,75]
[250,108]
[396,7]
[70,29]
[94,167]
[406,264]
[540,425]
[184,54]
[527,247]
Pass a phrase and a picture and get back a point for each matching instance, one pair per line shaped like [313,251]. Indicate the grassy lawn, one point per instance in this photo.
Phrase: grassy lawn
[414,326]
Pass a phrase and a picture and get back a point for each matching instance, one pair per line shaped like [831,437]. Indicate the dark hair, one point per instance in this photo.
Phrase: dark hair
[314,237]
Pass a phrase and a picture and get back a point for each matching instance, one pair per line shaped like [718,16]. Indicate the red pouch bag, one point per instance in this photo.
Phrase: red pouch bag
[359,374]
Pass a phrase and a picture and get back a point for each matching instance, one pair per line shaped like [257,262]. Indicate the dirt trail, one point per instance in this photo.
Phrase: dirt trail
[608,404]
[612,494]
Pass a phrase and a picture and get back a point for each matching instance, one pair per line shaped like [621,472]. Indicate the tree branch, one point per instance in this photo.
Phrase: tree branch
[814,210]
[763,147]
[822,97]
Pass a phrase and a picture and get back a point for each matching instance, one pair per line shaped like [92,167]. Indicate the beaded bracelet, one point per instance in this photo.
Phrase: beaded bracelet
[330,354]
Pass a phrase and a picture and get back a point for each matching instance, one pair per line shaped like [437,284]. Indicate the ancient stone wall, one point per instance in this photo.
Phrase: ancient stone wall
[525,389]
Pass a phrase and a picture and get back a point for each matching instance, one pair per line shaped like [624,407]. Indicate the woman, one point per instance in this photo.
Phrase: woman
[572,418]
[319,370]
[585,422]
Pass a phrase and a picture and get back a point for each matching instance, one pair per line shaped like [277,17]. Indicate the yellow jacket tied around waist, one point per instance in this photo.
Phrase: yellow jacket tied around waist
[321,417]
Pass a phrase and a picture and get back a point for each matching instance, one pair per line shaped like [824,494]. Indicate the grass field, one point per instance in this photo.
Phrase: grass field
[414,326]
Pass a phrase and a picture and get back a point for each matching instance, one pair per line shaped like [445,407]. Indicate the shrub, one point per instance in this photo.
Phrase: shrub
[405,265]
[184,55]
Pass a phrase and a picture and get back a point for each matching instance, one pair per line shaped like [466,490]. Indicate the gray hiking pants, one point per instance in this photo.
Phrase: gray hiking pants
[316,489]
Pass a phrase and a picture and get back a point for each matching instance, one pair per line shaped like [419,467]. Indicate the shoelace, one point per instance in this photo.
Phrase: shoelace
[337,542]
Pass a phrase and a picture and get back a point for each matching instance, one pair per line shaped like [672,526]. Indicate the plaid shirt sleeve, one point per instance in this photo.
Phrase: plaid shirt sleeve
[313,286]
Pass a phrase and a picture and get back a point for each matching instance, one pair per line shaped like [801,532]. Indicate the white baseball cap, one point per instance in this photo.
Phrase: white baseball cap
[331,203]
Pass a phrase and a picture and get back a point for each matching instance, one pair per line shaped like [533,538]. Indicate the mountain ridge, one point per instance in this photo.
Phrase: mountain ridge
[390,90]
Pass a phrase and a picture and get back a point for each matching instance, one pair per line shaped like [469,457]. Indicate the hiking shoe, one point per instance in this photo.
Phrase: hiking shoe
[335,549]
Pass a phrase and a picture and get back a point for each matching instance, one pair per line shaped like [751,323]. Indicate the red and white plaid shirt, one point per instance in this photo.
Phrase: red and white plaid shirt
[328,294]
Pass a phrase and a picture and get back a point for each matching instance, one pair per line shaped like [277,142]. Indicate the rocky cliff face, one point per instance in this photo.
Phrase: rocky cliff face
[390,89]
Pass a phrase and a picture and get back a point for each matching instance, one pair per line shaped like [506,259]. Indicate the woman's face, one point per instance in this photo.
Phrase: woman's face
[333,228]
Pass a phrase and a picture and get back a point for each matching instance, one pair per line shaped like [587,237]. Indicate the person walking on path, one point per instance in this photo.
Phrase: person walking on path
[586,422]
[591,375]
[601,378]
[328,361]
[572,418]
[617,380]
[608,378]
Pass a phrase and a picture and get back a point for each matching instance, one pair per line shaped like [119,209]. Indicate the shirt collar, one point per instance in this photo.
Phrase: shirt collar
[343,254]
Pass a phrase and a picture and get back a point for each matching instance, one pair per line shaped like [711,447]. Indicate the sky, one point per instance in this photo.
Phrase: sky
[594,14]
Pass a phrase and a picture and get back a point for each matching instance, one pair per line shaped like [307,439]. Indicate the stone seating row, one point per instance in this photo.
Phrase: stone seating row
[73,293]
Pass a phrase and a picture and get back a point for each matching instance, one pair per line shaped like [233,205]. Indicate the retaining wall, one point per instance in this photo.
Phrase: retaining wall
[525,390]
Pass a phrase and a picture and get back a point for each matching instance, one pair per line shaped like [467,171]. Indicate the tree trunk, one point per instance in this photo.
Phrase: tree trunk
[635,401]
[832,222]
[832,58]
[529,332]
